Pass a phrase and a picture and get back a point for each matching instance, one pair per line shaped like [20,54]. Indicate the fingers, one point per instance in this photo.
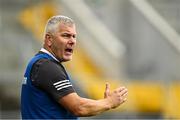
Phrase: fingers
[124,92]
[117,97]
[107,90]
[107,87]
[121,94]
[120,89]
[124,100]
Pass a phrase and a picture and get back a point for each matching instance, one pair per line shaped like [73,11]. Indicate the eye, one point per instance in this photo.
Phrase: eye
[66,35]
[74,36]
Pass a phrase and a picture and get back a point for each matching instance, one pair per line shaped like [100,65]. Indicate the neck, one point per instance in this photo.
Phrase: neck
[51,52]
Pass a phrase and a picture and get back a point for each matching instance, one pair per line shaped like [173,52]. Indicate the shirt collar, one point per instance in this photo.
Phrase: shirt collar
[47,52]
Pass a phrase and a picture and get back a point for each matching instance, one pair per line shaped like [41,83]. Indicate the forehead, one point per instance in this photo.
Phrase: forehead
[67,28]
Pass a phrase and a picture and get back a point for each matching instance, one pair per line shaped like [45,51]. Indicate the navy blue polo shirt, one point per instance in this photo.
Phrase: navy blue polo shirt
[45,82]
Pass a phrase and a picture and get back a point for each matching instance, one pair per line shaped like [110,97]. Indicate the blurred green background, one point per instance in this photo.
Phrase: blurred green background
[132,43]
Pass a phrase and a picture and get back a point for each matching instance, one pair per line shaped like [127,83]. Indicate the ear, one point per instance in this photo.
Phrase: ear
[48,39]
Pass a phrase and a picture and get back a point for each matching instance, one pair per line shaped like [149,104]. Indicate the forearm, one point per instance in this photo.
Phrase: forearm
[84,107]
[89,107]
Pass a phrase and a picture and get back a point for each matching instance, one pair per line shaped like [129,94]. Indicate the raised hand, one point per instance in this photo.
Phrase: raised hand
[116,97]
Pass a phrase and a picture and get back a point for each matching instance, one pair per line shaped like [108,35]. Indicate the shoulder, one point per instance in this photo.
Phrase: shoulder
[47,65]
[52,78]
[49,68]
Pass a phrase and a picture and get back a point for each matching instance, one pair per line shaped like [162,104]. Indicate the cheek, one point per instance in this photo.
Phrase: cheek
[59,45]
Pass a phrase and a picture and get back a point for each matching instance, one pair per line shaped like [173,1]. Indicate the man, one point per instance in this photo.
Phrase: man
[47,91]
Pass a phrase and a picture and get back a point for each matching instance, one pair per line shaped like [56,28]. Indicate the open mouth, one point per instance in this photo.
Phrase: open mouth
[69,50]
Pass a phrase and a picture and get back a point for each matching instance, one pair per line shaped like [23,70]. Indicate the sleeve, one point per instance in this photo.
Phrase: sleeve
[51,78]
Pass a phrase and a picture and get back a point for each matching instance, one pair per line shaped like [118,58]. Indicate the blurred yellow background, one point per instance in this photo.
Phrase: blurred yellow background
[132,43]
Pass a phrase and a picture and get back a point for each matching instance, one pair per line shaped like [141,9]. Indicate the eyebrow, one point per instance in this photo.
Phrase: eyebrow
[68,34]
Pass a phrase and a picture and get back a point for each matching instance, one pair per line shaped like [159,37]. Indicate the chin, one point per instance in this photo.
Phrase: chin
[67,59]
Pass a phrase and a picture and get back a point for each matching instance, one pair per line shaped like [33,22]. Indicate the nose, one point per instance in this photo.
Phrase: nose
[72,40]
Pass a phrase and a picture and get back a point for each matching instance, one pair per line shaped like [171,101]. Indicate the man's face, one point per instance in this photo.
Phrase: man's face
[63,42]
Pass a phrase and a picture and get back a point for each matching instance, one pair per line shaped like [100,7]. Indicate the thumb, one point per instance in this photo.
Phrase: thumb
[107,90]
